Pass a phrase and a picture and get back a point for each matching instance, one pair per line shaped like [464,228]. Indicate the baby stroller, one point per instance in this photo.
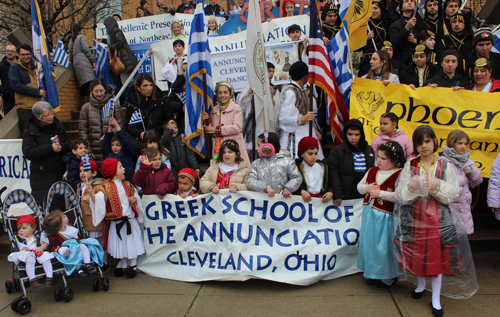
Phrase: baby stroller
[21,304]
[73,212]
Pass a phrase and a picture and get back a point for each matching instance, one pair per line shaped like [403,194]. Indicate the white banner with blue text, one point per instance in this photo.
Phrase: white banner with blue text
[245,235]
[14,167]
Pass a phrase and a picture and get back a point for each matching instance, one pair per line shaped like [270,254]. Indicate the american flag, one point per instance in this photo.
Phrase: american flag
[107,110]
[320,74]
[86,162]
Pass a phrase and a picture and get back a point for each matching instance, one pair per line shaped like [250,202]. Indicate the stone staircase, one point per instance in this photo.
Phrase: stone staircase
[71,125]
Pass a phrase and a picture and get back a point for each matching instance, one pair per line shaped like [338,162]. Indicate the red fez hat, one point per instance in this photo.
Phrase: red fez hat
[189,173]
[26,219]
[306,143]
[93,165]
[109,167]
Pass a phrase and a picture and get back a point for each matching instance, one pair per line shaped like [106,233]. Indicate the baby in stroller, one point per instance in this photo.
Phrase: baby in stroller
[31,245]
[68,247]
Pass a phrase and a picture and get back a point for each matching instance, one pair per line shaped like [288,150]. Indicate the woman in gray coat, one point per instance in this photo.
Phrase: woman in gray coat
[94,117]
[82,60]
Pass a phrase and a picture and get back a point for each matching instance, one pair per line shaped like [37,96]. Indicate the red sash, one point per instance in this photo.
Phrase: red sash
[389,185]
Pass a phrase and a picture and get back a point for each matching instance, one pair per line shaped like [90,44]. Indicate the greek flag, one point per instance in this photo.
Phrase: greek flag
[136,118]
[44,69]
[339,56]
[496,46]
[198,68]
[101,55]
[182,97]
[60,55]
[107,110]
[344,5]
[86,162]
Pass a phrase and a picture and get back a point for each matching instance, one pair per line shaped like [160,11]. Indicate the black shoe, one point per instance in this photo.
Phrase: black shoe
[381,284]
[89,269]
[105,268]
[131,271]
[370,281]
[119,272]
[416,295]
[81,273]
[437,312]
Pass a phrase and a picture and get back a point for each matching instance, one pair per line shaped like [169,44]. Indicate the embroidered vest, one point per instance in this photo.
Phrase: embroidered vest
[113,204]
[303,174]
[388,185]
[17,240]
[300,102]
[86,211]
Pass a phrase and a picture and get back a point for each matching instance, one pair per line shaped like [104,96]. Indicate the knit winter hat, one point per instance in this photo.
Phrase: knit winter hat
[26,219]
[306,143]
[483,34]
[189,173]
[109,167]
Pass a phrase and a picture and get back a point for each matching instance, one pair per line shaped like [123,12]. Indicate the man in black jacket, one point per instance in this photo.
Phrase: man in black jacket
[348,163]
[483,42]
[6,92]
[213,8]
[461,37]
[403,33]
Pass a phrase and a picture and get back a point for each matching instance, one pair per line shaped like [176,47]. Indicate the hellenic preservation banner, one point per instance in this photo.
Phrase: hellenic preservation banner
[244,235]
[445,110]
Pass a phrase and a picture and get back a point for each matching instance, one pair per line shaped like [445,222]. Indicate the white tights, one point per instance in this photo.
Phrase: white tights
[85,253]
[436,289]
[124,263]
[30,268]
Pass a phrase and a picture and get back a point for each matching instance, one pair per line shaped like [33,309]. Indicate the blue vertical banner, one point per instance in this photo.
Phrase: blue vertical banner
[44,69]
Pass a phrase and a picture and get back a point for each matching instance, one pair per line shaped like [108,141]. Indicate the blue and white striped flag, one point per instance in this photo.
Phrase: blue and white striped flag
[86,162]
[182,97]
[101,55]
[338,50]
[198,65]
[60,55]
[496,46]
[107,110]
[136,118]
[44,69]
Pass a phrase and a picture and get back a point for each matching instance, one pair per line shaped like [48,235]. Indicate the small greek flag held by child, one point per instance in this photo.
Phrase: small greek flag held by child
[182,97]
[136,117]
[86,162]
[108,108]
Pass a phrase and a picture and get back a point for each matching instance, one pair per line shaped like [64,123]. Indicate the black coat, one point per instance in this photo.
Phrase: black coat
[342,177]
[47,166]
[442,80]
[7,92]
[117,40]
[398,35]
[154,113]
[410,76]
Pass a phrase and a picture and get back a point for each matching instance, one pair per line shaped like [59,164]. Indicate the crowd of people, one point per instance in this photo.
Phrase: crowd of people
[416,204]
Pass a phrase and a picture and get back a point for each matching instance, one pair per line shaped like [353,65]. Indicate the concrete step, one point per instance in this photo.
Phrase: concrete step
[73,134]
[71,124]
[75,114]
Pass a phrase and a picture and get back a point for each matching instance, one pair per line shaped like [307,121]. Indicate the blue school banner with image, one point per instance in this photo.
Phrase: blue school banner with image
[139,51]
[244,235]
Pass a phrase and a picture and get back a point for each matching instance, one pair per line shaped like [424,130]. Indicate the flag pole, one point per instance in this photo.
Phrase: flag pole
[311,97]
[373,41]
[205,103]
[254,125]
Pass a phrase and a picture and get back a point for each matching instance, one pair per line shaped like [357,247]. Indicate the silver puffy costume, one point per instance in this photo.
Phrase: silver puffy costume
[278,171]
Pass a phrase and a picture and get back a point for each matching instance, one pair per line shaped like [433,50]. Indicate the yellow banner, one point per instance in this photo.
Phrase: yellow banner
[357,16]
[445,110]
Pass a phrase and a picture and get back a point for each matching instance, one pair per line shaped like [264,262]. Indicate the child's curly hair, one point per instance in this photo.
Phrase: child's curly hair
[52,223]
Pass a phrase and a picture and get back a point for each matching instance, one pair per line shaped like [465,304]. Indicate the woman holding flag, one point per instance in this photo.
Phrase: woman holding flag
[145,110]
[95,115]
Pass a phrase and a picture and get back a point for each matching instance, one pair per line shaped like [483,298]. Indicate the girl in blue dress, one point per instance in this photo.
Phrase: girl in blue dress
[375,255]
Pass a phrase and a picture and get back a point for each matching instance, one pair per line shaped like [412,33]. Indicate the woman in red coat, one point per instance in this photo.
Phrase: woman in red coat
[482,77]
